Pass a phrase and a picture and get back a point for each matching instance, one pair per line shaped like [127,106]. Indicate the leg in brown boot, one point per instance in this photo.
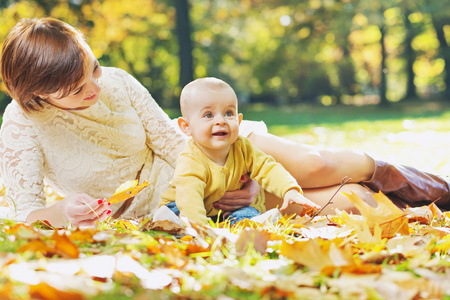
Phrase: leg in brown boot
[407,186]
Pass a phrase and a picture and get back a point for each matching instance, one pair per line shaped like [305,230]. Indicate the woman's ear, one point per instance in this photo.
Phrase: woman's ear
[184,126]
[240,116]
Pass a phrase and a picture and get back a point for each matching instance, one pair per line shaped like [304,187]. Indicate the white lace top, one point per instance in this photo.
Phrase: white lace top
[89,151]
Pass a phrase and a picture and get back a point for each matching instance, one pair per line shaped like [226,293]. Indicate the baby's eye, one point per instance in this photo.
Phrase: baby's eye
[208,115]
[229,113]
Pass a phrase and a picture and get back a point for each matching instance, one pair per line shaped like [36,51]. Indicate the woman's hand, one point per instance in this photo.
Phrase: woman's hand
[83,210]
[233,200]
[77,209]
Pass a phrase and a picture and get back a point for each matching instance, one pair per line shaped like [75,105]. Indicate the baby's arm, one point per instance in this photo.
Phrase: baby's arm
[190,182]
[294,196]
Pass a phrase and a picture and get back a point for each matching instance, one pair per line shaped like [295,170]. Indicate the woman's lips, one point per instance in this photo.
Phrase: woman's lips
[91,97]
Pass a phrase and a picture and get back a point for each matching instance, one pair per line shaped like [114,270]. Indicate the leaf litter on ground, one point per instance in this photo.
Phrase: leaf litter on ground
[384,253]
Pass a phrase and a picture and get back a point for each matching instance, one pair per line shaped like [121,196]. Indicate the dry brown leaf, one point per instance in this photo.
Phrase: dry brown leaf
[127,190]
[391,219]
[166,226]
[421,214]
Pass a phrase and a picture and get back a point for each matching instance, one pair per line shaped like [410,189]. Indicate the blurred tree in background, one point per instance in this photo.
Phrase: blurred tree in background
[282,52]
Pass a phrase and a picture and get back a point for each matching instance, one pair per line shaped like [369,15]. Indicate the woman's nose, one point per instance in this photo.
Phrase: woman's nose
[94,86]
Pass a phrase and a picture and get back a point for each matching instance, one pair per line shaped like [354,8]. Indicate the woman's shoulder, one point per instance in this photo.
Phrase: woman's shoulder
[112,73]
[13,111]
[115,78]
[113,70]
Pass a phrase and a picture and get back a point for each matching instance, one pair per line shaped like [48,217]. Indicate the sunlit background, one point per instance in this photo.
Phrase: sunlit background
[352,73]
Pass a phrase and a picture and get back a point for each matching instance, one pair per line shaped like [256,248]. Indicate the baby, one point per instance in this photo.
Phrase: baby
[216,157]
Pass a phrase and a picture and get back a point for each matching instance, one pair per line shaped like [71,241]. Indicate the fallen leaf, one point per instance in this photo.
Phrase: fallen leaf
[165,226]
[46,292]
[421,214]
[37,246]
[252,238]
[352,269]
[64,247]
[391,219]
[317,253]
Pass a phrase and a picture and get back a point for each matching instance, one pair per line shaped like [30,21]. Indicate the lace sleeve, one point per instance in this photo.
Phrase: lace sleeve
[21,165]
[162,136]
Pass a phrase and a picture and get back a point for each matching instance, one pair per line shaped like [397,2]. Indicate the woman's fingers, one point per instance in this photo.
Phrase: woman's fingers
[233,200]
[82,209]
[91,218]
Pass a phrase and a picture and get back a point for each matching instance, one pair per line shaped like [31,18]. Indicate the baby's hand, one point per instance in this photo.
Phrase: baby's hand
[294,196]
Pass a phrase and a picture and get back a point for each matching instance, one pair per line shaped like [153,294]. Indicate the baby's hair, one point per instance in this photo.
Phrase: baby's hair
[207,83]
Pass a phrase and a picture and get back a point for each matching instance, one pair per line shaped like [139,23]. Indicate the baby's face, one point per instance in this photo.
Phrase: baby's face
[213,118]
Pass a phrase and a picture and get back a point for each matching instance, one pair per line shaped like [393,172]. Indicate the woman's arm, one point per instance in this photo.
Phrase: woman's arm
[22,170]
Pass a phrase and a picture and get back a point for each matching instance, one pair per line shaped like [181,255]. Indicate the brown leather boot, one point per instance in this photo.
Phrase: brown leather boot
[407,186]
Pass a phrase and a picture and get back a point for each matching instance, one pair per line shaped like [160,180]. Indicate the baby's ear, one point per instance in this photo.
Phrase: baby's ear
[240,116]
[184,126]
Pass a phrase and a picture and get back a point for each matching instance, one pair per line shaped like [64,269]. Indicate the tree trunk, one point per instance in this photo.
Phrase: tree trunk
[444,50]
[184,41]
[410,58]
[383,71]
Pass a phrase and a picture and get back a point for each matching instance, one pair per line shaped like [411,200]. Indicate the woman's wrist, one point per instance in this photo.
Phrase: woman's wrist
[52,214]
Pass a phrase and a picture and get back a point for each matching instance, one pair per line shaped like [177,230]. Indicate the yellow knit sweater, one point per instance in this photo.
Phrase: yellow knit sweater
[198,182]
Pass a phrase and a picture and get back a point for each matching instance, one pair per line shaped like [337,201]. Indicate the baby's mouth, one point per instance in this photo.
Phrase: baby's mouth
[220,133]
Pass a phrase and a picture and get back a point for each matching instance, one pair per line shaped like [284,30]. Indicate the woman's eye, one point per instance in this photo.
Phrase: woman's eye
[79,91]
[97,67]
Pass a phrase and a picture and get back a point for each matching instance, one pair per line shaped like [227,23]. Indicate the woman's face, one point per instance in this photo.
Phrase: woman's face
[86,95]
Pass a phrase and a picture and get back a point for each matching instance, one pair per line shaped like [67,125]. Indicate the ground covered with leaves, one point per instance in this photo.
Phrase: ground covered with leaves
[384,253]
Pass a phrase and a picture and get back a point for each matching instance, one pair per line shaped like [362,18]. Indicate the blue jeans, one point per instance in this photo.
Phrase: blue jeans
[247,212]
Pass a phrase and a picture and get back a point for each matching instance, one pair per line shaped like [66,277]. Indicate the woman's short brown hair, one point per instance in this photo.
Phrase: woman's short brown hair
[42,56]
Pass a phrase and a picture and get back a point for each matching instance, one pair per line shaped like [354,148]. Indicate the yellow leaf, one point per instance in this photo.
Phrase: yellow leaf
[391,219]
[127,190]
[317,253]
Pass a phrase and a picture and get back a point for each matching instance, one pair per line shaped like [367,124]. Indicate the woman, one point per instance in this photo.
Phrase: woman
[85,129]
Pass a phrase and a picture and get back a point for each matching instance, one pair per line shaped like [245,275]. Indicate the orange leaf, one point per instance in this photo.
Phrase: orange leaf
[352,269]
[36,246]
[85,235]
[64,247]
[131,190]
[46,292]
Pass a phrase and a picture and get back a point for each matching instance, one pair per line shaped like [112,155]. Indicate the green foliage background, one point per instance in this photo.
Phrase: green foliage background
[282,52]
